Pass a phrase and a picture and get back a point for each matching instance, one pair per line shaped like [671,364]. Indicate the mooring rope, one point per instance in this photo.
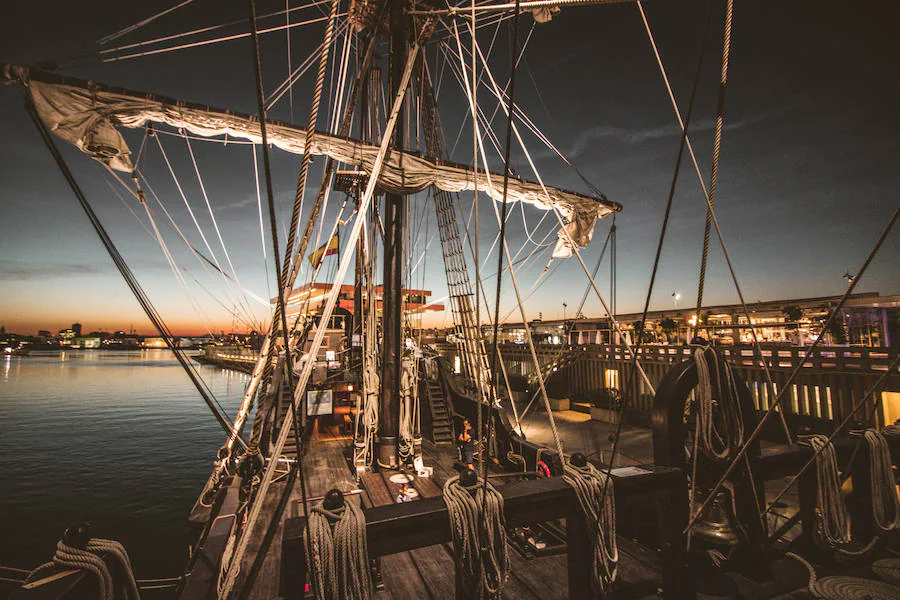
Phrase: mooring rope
[482,567]
[881,479]
[599,509]
[89,559]
[339,554]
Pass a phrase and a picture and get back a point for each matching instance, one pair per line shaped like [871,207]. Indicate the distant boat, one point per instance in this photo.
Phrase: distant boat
[20,351]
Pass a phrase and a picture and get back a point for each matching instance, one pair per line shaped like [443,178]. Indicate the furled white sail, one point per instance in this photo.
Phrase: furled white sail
[86,115]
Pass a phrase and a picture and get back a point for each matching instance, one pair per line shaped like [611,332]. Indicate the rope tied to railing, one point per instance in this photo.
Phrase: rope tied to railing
[595,493]
[338,550]
[79,551]
[482,563]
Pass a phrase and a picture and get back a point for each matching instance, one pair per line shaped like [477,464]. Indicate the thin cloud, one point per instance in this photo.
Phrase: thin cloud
[631,136]
[11,270]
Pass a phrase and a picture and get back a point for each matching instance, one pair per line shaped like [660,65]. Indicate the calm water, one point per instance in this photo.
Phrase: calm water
[120,439]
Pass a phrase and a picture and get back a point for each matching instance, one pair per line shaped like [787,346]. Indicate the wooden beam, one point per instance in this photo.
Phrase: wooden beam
[402,527]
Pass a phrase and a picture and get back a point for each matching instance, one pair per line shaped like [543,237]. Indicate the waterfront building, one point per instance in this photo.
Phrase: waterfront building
[866,319]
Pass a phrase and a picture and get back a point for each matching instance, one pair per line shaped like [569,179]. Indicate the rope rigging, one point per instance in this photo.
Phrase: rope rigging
[595,493]
[482,563]
[77,550]
[720,425]
[710,211]
[717,145]
[130,280]
[338,550]
[779,399]
[882,485]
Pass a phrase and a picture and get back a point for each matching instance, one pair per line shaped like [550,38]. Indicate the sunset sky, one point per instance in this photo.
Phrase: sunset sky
[808,174]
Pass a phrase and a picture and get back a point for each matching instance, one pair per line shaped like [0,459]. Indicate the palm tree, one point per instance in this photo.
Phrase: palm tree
[668,326]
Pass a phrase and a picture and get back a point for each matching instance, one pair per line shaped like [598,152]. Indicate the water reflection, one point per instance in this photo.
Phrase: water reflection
[118,438]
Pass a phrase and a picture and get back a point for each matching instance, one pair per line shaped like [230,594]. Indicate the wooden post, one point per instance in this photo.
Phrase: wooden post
[578,553]
[293,560]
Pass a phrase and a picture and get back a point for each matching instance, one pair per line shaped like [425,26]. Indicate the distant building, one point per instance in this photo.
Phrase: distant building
[86,342]
[312,297]
[866,319]
[154,343]
[76,328]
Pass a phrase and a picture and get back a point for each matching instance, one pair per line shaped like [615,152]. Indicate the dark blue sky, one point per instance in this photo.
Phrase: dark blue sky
[808,173]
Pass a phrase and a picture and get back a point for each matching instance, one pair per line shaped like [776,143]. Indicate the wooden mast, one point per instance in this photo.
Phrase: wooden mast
[394,208]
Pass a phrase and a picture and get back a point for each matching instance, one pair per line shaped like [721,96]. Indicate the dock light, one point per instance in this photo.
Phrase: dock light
[693,321]
[350,388]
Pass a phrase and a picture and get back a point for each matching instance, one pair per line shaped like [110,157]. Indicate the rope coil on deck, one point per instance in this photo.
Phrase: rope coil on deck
[842,588]
[592,487]
[888,569]
[89,558]
[339,553]
[482,564]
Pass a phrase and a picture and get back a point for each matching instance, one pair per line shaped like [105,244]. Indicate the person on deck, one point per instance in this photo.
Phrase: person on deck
[403,496]
[466,443]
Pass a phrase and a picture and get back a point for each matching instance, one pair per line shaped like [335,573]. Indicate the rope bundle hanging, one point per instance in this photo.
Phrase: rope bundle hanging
[482,563]
[78,551]
[338,550]
[832,517]
[883,486]
[595,493]
[720,428]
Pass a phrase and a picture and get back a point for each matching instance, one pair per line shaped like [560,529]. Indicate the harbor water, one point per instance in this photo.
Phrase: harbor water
[119,439]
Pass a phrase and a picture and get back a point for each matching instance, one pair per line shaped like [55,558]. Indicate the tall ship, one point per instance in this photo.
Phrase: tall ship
[366,459]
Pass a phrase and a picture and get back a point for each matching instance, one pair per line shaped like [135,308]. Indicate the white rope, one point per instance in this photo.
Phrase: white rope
[482,567]
[226,38]
[592,487]
[141,23]
[832,517]
[565,234]
[89,559]
[512,273]
[881,479]
[339,555]
[287,425]
[720,424]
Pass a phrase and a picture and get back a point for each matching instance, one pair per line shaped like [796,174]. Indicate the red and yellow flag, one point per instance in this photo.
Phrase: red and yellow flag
[325,250]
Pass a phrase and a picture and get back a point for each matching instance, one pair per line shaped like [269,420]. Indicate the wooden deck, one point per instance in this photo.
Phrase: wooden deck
[428,573]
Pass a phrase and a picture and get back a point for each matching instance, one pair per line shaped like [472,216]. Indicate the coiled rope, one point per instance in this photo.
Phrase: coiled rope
[339,553]
[721,425]
[883,486]
[842,588]
[482,568]
[599,509]
[832,517]
[89,559]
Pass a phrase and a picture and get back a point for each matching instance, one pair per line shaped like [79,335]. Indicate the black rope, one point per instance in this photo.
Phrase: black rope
[297,468]
[128,276]
[629,380]
[495,378]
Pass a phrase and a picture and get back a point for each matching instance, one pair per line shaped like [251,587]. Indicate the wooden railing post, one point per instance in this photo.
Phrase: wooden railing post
[578,553]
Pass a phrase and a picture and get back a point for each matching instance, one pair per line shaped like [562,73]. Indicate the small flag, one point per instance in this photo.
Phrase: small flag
[325,250]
